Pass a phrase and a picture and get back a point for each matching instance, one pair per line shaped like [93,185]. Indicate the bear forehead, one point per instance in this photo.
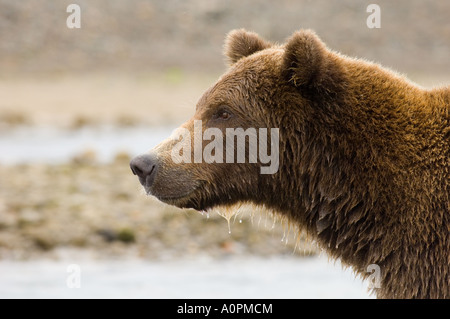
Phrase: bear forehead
[261,66]
[248,71]
[269,59]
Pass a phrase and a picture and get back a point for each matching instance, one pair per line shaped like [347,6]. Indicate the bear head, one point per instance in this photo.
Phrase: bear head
[264,99]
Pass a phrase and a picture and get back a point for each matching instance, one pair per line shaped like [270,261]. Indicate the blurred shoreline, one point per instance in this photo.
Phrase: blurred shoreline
[123,100]
[83,205]
[149,35]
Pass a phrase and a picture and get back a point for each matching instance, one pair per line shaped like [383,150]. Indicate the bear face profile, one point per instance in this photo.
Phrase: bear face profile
[351,152]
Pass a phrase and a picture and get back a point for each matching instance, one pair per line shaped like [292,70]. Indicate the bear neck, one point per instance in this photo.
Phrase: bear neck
[337,185]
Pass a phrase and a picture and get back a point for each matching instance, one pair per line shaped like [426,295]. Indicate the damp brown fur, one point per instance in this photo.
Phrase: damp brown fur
[364,158]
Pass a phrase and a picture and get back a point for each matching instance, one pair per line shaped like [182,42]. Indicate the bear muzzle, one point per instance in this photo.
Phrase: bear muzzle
[172,184]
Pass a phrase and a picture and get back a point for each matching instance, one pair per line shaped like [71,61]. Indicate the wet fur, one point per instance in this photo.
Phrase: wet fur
[364,158]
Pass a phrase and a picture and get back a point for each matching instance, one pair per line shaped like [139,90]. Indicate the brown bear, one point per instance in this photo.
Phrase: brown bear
[363,158]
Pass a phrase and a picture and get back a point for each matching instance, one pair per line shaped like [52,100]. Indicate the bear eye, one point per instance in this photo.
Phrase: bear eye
[223,115]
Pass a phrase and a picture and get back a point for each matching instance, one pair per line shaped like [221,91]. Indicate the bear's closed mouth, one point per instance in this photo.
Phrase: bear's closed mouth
[174,199]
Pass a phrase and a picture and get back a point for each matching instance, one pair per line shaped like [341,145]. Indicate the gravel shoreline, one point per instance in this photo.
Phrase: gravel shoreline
[101,209]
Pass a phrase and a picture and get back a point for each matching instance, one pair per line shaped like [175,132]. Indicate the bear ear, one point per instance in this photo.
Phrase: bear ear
[241,43]
[305,59]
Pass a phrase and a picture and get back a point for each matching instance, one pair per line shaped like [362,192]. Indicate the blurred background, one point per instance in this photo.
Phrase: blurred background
[77,104]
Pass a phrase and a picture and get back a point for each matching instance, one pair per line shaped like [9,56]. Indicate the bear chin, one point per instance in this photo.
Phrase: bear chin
[202,201]
[187,198]
[180,201]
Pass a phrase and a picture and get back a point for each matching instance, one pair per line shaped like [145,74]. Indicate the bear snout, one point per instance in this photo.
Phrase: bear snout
[145,167]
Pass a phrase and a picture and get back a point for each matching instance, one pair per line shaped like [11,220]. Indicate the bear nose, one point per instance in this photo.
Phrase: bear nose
[144,166]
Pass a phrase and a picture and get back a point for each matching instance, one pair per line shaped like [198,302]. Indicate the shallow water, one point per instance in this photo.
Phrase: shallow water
[52,145]
[282,277]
